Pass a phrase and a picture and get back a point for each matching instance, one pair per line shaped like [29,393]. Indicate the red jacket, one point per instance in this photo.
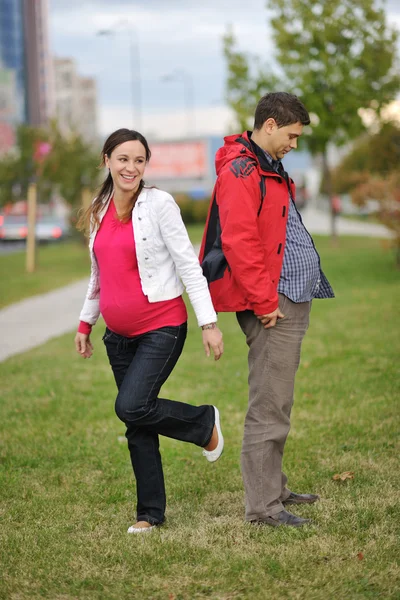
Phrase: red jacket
[244,239]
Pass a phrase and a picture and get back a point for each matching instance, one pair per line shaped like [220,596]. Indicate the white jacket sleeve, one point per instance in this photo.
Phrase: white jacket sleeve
[187,264]
[91,307]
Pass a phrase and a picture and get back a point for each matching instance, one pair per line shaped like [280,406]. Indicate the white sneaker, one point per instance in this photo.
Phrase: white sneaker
[213,455]
[133,529]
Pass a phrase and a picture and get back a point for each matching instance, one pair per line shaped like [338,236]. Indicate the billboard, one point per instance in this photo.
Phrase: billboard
[176,160]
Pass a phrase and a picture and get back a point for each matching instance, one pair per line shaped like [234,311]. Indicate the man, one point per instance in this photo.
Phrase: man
[261,262]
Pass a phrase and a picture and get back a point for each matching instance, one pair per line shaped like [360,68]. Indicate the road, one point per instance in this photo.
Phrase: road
[11,247]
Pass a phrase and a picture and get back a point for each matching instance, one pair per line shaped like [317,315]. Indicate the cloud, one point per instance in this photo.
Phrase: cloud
[393,7]
[170,35]
[182,23]
[187,35]
[173,124]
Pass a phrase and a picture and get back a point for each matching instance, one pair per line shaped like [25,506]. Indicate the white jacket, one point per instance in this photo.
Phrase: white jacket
[165,257]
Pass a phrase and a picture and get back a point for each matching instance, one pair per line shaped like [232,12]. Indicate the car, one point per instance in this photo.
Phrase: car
[15,227]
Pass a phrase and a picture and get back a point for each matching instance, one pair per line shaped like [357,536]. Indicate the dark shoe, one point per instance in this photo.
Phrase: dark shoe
[300,499]
[283,518]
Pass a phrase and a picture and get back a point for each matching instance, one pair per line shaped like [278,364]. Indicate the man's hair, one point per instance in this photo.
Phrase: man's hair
[285,108]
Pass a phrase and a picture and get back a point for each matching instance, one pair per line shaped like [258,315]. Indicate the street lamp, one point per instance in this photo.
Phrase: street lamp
[187,80]
[136,83]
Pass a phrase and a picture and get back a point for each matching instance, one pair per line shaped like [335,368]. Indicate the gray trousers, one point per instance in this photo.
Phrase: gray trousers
[274,356]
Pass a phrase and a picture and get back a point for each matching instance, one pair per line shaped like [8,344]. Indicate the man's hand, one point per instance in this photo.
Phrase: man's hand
[83,345]
[212,340]
[271,319]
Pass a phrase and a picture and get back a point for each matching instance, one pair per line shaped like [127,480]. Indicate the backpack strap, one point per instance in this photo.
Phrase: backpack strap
[263,189]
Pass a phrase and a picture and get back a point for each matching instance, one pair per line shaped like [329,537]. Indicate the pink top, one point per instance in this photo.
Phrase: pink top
[123,305]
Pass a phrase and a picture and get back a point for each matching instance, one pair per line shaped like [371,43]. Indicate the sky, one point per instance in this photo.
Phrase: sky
[173,48]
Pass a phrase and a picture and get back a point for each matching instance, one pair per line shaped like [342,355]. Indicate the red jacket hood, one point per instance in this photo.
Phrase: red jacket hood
[235,146]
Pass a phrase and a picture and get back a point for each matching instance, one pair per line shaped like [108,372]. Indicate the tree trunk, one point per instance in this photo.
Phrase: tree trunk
[326,173]
[31,236]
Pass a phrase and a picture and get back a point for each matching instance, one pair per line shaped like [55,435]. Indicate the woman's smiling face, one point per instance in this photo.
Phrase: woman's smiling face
[127,164]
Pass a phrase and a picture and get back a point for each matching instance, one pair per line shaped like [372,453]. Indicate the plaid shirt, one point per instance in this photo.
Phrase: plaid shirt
[302,278]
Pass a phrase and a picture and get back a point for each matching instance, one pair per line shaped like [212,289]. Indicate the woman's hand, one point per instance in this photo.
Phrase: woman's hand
[212,340]
[83,345]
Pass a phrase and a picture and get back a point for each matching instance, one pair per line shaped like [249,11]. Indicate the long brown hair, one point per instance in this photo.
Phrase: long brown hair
[89,218]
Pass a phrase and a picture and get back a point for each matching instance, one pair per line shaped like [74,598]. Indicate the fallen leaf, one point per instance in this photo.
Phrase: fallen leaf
[360,556]
[343,476]
[171,596]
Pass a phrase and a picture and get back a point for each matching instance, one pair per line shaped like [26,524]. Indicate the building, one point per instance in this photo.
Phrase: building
[88,109]
[75,100]
[39,80]
[12,71]
[26,88]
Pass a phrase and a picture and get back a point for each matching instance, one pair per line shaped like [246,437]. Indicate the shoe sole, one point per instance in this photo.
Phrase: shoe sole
[214,455]
[140,530]
[274,523]
[293,502]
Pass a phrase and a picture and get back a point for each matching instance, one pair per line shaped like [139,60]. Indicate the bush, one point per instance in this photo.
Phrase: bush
[387,192]
[193,211]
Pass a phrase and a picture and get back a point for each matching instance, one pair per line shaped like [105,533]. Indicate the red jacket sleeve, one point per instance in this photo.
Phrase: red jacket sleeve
[238,200]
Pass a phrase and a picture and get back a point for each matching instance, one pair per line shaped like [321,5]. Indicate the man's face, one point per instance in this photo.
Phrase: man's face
[282,139]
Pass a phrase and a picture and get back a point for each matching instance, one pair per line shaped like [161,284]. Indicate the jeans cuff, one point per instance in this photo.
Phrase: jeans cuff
[208,438]
[150,519]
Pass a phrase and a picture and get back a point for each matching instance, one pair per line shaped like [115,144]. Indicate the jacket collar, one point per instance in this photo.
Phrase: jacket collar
[143,196]
[246,141]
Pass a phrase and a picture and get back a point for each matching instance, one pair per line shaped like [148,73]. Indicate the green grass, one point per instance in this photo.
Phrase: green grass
[67,492]
[57,265]
[196,232]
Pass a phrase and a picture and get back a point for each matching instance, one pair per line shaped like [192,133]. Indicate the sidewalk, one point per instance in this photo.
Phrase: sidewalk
[33,321]
[319,222]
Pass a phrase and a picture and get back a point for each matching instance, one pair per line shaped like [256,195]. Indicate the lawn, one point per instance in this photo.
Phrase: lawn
[67,494]
[57,264]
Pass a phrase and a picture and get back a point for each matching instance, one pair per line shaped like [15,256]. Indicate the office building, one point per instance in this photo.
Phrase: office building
[26,84]
[39,79]
[76,100]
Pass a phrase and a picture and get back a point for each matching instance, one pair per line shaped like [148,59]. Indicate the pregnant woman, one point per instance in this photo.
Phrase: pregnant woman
[142,259]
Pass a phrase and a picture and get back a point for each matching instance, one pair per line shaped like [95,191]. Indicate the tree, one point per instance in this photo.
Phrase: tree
[386,190]
[68,166]
[337,56]
[245,85]
[371,171]
[17,167]
[376,155]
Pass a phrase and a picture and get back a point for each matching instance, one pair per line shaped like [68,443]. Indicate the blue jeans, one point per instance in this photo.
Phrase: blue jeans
[141,365]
